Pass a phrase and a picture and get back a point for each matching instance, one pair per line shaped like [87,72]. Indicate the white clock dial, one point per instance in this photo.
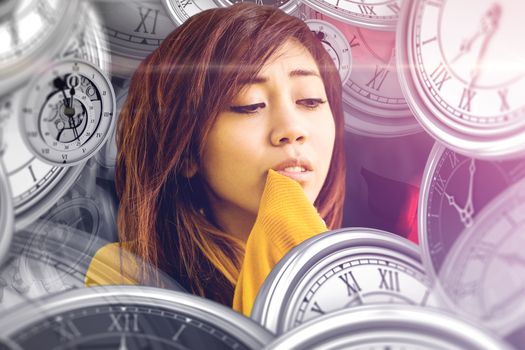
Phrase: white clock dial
[68,113]
[31,33]
[335,44]
[373,14]
[341,269]
[464,75]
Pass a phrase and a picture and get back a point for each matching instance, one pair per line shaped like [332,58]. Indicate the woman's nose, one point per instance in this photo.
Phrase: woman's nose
[288,127]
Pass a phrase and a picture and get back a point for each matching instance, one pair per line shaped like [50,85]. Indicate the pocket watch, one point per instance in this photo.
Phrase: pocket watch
[483,274]
[130,317]
[6,212]
[68,113]
[31,33]
[464,76]
[335,44]
[454,189]
[341,269]
[389,327]
[181,10]
[373,101]
[372,14]
[133,30]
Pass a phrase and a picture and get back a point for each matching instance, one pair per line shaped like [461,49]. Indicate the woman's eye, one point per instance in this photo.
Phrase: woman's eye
[247,109]
[311,102]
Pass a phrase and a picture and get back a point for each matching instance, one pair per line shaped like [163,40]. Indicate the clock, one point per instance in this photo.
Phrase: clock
[181,10]
[335,44]
[6,213]
[389,327]
[373,102]
[341,269]
[130,317]
[31,33]
[133,30]
[36,185]
[372,14]
[68,113]
[483,274]
[454,189]
[464,75]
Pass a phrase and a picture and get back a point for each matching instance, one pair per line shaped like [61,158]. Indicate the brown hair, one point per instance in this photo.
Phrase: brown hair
[173,101]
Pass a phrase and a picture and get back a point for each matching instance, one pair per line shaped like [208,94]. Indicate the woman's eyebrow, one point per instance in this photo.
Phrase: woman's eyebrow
[303,73]
[292,74]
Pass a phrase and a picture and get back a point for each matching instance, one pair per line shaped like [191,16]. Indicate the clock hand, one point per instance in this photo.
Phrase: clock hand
[464,216]
[512,258]
[489,25]
[123,345]
[469,206]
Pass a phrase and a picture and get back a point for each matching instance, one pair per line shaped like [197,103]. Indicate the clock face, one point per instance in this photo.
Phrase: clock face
[490,283]
[454,190]
[132,317]
[68,113]
[388,327]
[335,44]
[464,76]
[373,101]
[343,269]
[31,33]
[134,29]
[373,14]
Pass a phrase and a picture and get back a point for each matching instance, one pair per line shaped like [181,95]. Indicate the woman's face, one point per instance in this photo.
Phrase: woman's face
[280,121]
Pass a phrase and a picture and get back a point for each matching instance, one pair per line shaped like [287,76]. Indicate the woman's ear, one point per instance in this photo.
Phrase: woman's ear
[189,168]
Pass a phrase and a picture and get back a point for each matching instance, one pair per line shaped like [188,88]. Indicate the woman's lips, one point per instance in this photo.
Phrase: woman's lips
[301,177]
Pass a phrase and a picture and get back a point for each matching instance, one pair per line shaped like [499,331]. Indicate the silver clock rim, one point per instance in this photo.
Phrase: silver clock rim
[244,329]
[19,73]
[105,80]
[388,318]
[461,142]
[6,214]
[376,24]
[270,307]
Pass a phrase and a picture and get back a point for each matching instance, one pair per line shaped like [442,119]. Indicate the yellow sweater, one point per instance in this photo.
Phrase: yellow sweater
[285,219]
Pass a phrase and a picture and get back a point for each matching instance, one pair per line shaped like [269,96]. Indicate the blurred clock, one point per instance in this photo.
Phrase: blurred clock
[31,33]
[130,317]
[483,274]
[464,76]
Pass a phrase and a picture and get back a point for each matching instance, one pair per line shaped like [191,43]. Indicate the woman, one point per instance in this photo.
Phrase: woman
[229,95]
